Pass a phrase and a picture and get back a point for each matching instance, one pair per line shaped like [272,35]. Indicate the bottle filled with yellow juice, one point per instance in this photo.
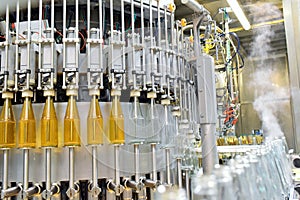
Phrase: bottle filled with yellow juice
[72,124]
[49,125]
[116,122]
[27,129]
[7,125]
[95,123]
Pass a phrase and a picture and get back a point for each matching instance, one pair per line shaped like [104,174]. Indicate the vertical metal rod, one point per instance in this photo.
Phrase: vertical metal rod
[77,43]
[64,42]
[25,170]
[143,44]
[95,167]
[158,23]
[101,44]
[154,172]
[133,43]
[5,170]
[40,43]
[7,40]
[168,166]
[179,172]
[28,43]
[166,115]
[160,66]
[187,185]
[137,162]
[111,4]
[88,13]
[117,164]
[17,45]
[111,18]
[88,45]
[52,42]
[124,45]
[71,167]
[48,169]
[153,62]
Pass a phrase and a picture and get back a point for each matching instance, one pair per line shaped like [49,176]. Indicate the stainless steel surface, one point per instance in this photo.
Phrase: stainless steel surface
[292,24]
[137,162]
[187,184]
[5,170]
[154,164]
[25,172]
[168,170]
[95,166]
[209,148]
[48,169]
[71,167]
[179,172]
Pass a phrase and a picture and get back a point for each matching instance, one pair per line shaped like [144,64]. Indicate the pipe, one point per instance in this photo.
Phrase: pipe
[10,192]
[95,167]
[135,185]
[168,166]
[34,190]
[137,162]
[48,169]
[150,183]
[25,171]
[154,172]
[194,5]
[179,172]
[187,184]
[5,169]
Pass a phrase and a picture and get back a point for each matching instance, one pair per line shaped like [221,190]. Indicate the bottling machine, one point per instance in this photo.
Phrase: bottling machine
[105,99]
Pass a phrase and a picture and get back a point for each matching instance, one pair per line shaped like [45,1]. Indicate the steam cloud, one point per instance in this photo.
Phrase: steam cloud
[267,92]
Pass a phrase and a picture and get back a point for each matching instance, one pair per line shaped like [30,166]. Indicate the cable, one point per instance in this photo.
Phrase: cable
[59,33]
[84,41]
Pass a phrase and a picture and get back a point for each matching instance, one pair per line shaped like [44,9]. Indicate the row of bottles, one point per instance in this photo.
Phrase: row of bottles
[49,124]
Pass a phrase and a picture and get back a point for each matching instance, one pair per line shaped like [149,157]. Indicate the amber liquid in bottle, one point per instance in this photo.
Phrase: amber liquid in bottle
[49,127]
[7,126]
[27,131]
[95,123]
[72,124]
[116,123]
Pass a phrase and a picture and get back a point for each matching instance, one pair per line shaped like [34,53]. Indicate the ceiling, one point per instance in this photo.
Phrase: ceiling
[259,13]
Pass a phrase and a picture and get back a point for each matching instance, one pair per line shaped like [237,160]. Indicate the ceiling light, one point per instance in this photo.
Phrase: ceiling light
[236,8]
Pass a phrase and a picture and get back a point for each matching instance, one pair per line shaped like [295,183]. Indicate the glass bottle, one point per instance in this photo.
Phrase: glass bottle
[116,122]
[49,125]
[7,126]
[27,129]
[154,124]
[95,123]
[137,123]
[72,124]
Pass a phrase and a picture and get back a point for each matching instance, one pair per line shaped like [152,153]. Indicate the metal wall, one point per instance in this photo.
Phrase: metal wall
[249,91]
[291,10]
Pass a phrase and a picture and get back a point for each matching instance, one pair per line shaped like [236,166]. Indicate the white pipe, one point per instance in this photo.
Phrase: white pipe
[194,5]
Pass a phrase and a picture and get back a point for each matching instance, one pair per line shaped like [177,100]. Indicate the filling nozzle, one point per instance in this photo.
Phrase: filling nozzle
[137,186]
[54,190]
[73,191]
[150,183]
[116,188]
[10,192]
[32,191]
